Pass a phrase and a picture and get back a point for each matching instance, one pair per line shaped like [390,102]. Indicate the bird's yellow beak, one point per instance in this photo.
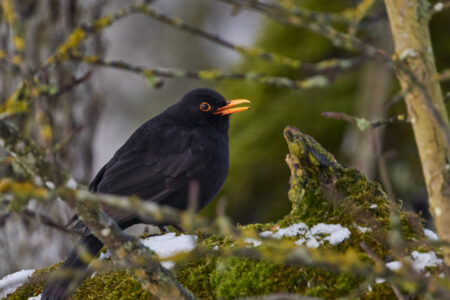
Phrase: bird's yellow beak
[227,109]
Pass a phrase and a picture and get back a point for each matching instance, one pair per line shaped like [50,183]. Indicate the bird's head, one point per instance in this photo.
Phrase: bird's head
[206,107]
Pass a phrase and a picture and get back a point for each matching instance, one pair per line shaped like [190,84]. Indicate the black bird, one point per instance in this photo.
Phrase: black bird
[188,142]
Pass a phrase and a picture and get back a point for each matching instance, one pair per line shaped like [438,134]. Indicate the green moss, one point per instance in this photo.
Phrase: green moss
[379,291]
[240,277]
[196,277]
[111,285]
[33,289]
[322,191]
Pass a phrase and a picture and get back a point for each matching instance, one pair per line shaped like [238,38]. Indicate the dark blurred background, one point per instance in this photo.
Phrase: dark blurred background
[256,189]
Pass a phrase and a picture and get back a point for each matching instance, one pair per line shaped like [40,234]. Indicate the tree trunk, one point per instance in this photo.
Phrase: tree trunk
[416,73]
[375,87]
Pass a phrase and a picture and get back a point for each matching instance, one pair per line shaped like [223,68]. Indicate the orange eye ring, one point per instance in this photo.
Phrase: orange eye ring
[205,106]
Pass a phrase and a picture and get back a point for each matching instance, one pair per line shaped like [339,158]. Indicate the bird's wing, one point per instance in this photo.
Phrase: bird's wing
[152,164]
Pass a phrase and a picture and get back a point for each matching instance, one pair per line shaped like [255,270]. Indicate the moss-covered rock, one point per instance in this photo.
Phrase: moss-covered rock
[322,192]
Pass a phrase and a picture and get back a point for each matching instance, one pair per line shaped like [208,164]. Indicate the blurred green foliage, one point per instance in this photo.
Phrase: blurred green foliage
[257,185]
[256,189]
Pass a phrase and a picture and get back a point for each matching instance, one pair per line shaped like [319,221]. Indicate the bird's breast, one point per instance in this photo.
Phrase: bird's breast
[215,169]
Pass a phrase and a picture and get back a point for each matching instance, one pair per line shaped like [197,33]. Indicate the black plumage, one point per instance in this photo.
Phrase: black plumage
[185,143]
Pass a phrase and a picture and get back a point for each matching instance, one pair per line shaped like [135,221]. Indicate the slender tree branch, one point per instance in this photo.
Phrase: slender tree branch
[247,51]
[46,220]
[380,263]
[444,75]
[157,280]
[209,75]
[361,123]
[339,39]
[295,11]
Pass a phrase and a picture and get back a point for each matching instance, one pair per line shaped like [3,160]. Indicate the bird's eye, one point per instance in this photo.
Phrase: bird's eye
[205,106]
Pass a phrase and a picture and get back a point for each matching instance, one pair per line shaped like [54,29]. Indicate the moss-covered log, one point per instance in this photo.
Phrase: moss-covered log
[323,193]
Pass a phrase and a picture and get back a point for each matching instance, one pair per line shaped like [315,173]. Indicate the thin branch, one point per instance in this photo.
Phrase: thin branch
[378,261]
[156,279]
[363,124]
[81,33]
[338,38]
[46,220]
[208,75]
[382,168]
[296,11]
[247,51]
[414,83]
[444,75]
[358,14]
[396,98]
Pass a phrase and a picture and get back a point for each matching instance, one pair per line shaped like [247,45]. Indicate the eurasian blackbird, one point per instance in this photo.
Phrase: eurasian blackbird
[188,142]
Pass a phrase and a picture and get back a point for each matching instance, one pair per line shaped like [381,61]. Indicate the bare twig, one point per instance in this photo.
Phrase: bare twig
[292,10]
[46,220]
[361,123]
[339,39]
[378,260]
[209,75]
[247,51]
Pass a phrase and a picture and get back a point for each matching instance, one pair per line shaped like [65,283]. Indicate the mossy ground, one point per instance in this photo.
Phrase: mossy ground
[322,191]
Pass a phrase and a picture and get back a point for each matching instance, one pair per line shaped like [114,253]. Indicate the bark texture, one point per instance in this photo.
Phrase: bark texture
[416,72]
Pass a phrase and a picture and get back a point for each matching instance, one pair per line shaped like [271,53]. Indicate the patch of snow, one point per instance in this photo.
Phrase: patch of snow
[168,264]
[423,260]
[430,234]
[311,242]
[37,180]
[71,183]
[254,242]
[394,265]
[291,231]
[379,280]
[314,237]
[38,297]
[336,232]
[438,6]
[438,211]
[266,234]
[408,53]
[50,185]
[168,245]
[373,206]
[9,283]
[364,229]
[104,255]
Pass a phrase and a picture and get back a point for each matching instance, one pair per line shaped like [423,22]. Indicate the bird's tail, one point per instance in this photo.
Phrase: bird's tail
[59,289]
